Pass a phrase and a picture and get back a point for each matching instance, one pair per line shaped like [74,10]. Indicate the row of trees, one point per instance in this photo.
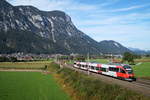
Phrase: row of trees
[77,58]
[129,57]
[8,59]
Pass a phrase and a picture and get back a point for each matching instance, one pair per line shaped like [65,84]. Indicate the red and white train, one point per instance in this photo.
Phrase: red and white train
[120,71]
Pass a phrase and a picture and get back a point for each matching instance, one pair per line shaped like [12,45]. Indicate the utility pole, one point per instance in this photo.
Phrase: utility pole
[88,64]
[56,58]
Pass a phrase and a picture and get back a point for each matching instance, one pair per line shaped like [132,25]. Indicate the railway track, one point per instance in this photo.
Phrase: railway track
[141,86]
[143,81]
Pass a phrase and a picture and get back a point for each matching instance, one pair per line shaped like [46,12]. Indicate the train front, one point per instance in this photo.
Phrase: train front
[129,73]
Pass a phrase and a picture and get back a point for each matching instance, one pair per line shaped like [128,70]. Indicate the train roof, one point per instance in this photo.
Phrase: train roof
[117,64]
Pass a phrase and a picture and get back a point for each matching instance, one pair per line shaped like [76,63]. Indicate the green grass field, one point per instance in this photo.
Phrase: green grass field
[29,86]
[99,60]
[33,65]
[142,70]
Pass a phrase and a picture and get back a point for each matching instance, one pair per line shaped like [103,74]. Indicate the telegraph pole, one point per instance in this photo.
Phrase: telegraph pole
[88,64]
[56,58]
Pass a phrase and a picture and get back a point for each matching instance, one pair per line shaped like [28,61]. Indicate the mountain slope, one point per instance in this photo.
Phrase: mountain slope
[110,46]
[41,31]
[139,51]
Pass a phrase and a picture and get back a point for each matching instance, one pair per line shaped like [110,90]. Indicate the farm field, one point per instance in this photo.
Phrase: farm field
[99,60]
[32,65]
[142,70]
[29,86]
[142,60]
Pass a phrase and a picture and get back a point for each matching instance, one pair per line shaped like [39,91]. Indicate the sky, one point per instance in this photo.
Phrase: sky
[124,21]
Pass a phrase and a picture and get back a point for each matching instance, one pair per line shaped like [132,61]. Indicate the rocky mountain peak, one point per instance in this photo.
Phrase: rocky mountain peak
[111,46]
[28,29]
[4,4]
[53,29]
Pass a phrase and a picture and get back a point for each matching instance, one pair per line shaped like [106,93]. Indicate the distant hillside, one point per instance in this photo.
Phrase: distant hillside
[110,46]
[139,51]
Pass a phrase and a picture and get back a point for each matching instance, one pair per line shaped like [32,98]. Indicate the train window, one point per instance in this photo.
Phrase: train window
[97,68]
[92,67]
[122,71]
[79,65]
[126,66]
[116,69]
[113,69]
[103,69]
[130,71]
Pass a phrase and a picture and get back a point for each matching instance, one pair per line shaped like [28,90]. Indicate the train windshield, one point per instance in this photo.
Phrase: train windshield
[129,71]
[127,67]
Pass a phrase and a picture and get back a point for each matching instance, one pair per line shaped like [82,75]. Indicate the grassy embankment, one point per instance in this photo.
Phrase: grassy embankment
[83,87]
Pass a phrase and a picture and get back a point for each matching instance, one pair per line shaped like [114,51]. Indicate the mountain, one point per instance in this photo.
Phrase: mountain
[110,46]
[139,51]
[30,30]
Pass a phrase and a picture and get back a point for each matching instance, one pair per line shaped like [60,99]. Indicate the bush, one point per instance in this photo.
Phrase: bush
[8,59]
[53,66]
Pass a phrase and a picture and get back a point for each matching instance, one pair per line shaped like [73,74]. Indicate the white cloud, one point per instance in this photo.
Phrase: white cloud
[49,5]
[42,4]
[129,8]
[116,19]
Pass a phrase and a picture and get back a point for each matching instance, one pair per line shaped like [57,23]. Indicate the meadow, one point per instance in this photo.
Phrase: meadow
[103,61]
[29,86]
[142,69]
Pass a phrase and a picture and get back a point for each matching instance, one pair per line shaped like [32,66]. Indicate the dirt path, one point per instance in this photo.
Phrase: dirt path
[138,86]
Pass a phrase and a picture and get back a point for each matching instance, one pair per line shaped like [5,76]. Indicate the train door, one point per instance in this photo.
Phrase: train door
[112,71]
[105,69]
[121,73]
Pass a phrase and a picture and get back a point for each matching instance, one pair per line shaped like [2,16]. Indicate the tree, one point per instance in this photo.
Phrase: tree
[129,57]
[137,56]
[4,59]
[80,58]
[13,59]
[148,55]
